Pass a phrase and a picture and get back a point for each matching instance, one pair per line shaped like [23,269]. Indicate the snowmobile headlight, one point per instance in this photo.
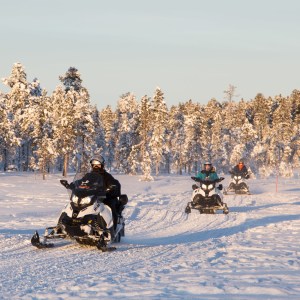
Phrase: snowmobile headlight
[74,199]
[239,177]
[204,186]
[83,201]
[86,200]
[210,187]
[235,177]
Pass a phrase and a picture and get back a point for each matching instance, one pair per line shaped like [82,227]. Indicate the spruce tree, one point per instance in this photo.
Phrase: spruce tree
[158,139]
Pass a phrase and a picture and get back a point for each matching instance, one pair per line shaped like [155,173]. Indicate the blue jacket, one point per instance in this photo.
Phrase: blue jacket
[207,175]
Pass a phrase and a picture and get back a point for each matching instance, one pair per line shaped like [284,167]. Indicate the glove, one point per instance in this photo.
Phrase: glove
[194,186]
[221,178]
[112,191]
[247,176]
[193,177]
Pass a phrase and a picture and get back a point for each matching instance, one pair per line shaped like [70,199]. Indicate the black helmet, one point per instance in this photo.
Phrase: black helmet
[99,160]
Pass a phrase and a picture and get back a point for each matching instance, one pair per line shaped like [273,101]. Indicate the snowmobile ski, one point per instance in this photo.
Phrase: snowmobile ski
[35,241]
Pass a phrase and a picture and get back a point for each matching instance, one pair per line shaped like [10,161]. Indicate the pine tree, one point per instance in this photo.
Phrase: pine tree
[73,114]
[98,147]
[8,139]
[108,120]
[194,132]
[177,137]
[42,134]
[211,110]
[71,80]
[158,139]
[295,142]
[144,130]
[35,88]
[17,101]
[282,133]
[127,111]
[64,133]
[218,155]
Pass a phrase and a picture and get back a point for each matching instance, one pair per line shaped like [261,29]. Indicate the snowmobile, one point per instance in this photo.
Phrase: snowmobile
[207,197]
[237,185]
[85,219]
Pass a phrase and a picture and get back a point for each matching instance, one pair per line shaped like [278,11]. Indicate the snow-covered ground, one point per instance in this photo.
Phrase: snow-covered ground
[251,253]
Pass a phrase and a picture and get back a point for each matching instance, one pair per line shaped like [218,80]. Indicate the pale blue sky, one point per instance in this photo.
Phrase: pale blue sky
[191,49]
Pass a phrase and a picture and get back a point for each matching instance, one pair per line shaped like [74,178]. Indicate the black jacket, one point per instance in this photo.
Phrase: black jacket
[243,172]
[102,181]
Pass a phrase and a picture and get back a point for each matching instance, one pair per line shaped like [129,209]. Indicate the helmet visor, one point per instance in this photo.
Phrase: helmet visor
[95,162]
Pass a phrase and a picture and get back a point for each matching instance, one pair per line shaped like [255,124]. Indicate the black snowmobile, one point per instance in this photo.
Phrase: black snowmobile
[237,184]
[207,198]
[85,219]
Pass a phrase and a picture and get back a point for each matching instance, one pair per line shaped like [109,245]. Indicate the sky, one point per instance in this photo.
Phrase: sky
[192,49]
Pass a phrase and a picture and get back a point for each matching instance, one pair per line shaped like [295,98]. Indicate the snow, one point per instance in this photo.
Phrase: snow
[251,253]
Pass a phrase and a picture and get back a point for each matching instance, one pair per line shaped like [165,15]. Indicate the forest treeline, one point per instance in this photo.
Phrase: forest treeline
[62,131]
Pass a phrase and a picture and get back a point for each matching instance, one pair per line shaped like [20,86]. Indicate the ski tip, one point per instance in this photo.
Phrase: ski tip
[35,241]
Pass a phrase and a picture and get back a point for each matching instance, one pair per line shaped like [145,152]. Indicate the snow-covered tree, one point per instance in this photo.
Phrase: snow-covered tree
[177,137]
[146,167]
[157,143]
[42,134]
[108,120]
[17,101]
[218,155]
[282,133]
[8,139]
[64,129]
[261,111]
[71,79]
[194,131]
[144,132]
[35,88]
[74,123]
[127,110]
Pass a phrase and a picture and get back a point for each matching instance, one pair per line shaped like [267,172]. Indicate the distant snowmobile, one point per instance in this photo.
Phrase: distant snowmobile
[85,219]
[207,197]
[237,185]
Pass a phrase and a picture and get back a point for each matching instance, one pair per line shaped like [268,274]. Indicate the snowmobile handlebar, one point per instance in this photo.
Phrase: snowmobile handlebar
[82,191]
[207,180]
[65,183]
[244,175]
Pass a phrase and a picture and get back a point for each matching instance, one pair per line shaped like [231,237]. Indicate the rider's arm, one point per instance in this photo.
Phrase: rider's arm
[113,186]
[214,176]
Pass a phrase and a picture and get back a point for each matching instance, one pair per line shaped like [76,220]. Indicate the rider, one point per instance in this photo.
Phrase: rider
[240,169]
[104,181]
[208,172]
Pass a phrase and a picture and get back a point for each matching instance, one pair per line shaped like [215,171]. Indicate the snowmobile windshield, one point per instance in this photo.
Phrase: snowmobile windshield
[84,188]
[208,181]
[89,184]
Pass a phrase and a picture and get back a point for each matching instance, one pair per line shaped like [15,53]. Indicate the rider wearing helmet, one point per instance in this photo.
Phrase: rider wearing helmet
[240,169]
[208,172]
[103,181]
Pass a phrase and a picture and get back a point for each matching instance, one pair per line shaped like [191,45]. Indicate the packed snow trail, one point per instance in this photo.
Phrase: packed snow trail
[251,253]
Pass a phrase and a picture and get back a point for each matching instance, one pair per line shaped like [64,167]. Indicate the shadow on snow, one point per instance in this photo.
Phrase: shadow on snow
[214,233]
